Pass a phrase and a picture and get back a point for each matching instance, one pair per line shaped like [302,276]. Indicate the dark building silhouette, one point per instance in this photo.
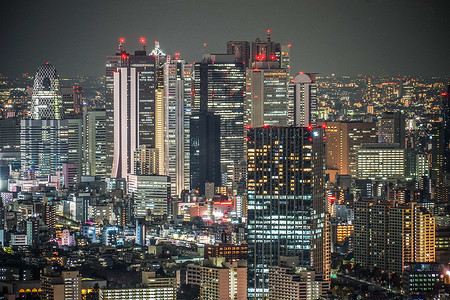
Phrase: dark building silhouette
[205,150]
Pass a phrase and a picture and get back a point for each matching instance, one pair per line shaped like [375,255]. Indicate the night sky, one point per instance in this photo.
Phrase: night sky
[373,37]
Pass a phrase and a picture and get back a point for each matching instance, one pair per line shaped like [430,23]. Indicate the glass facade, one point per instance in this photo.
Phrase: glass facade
[219,89]
[285,199]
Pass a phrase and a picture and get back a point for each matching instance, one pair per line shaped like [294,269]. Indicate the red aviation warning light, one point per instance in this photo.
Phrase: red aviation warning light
[142,40]
[309,127]
[122,40]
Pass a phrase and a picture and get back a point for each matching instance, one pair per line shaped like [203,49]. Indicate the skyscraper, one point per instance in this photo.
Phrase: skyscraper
[286,206]
[240,50]
[126,121]
[219,88]
[342,144]
[266,95]
[305,100]
[205,151]
[94,143]
[46,100]
[177,89]
[71,100]
[145,67]
[44,147]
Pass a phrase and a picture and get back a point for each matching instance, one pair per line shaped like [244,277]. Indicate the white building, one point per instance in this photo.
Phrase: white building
[177,112]
[126,120]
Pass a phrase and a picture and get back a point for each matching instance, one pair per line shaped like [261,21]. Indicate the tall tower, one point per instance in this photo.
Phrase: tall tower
[46,98]
[266,98]
[177,90]
[219,89]
[305,99]
[286,206]
[145,66]
[94,143]
[126,121]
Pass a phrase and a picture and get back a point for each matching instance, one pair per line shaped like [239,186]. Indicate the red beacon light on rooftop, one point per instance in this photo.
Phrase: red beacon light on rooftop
[309,127]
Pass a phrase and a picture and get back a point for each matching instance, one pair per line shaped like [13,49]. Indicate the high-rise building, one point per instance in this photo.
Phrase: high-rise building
[145,67]
[391,128]
[177,90]
[94,143]
[146,161]
[305,99]
[269,51]
[342,144]
[266,95]
[46,100]
[219,89]
[71,100]
[446,124]
[205,151]
[126,121]
[75,142]
[240,50]
[286,202]
[150,194]
[381,161]
[388,236]
[9,138]
[44,147]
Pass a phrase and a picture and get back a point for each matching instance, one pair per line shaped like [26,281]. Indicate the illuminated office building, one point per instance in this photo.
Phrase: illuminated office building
[305,99]
[146,161]
[46,100]
[266,95]
[44,147]
[219,89]
[381,161]
[144,65]
[150,194]
[342,144]
[286,206]
[177,89]
[94,143]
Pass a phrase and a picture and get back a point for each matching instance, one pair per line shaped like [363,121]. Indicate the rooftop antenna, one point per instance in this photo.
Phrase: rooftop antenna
[142,40]
[204,48]
[121,42]
[268,35]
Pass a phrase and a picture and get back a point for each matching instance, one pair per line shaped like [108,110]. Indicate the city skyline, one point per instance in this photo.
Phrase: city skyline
[349,37]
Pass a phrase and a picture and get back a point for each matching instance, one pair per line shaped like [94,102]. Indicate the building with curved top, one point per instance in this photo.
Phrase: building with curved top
[46,100]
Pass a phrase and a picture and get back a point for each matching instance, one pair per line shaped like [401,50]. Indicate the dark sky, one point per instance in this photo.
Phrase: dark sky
[328,36]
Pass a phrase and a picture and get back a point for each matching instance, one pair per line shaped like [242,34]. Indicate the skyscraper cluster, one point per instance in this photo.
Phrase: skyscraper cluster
[231,177]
